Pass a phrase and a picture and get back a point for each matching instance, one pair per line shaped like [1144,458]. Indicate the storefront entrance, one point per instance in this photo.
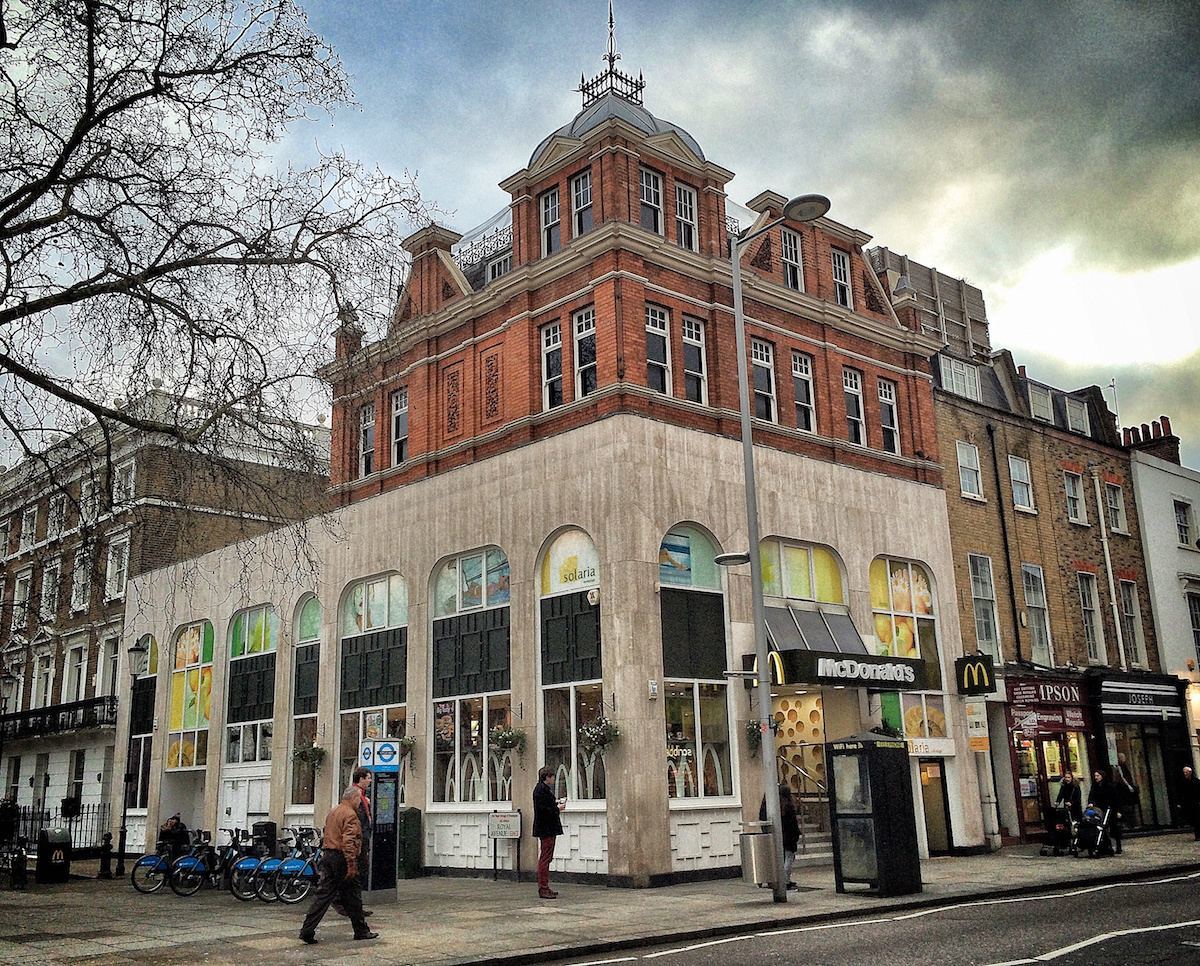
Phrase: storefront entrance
[936,805]
[1041,762]
[1141,746]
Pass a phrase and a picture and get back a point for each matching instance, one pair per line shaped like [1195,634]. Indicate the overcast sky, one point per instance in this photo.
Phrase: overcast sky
[1048,153]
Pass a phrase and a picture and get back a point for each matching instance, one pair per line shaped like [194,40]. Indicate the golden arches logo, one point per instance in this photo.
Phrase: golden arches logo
[775,663]
[975,675]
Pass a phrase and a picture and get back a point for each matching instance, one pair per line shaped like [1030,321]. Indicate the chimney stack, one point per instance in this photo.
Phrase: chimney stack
[1155,439]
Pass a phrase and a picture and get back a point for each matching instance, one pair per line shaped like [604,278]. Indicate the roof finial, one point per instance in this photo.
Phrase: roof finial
[612,56]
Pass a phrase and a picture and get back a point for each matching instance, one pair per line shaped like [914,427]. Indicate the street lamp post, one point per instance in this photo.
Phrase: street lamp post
[804,208]
[137,653]
[7,680]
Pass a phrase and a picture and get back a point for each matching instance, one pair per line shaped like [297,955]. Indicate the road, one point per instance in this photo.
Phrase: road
[1149,922]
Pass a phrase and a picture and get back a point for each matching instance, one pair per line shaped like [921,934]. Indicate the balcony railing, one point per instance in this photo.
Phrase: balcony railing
[59,718]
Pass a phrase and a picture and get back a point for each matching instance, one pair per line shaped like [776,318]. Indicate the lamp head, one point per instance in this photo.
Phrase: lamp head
[731,559]
[806,208]
[137,655]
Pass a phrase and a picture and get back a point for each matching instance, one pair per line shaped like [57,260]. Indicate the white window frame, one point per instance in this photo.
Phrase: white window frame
[256,729]
[1115,508]
[1131,622]
[693,335]
[81,590]
[551,339]
[791,253]
[802,374]
[399,415]
[843,292]
[1018,465]
[116,577]
[56,519]
[22,591]
[5,536]
[762,356]
[28,528]
[889,416]
[583,326]
[1076,504]
[1041,403]
[968,466]
[694,685]
[123,483]
[571,787]
[852,389]
[42,693]
[499,266]
[1093,624]
[650,195]
[551,218]
[89,501]
[75,667]
[1077,416]
[1183,524]
[366,440]
[983,600]
[960,378]
[110,656]
[581,203]
[1037,612]
[658,323]
[48,604]
[1193,606]
[687,224]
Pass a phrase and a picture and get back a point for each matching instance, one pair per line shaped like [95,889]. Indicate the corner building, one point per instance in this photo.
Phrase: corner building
[531,475]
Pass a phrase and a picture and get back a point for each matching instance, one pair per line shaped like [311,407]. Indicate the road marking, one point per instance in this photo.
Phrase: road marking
[605,962]
[688,949]
[1103,937]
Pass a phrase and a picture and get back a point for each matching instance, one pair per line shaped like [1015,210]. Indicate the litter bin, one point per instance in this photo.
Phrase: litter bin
[408,843]
[266,835]
[53,856]
[758,853]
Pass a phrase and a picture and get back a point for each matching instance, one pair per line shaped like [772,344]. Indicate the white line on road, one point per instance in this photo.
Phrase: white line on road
[688,949]
[1103,937]
[605,962]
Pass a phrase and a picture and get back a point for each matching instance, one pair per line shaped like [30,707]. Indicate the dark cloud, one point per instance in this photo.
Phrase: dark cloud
[1144,392]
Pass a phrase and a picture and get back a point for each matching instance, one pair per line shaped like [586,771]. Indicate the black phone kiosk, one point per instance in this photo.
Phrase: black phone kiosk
[384,763]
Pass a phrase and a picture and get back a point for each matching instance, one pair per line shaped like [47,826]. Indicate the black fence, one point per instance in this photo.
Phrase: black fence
[87,828]
[59,718]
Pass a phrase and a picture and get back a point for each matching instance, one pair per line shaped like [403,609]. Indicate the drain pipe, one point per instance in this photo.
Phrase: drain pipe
[1108,570]
[1012,586]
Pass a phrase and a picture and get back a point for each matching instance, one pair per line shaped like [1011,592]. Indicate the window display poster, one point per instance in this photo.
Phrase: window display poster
[570,564]
[373,725]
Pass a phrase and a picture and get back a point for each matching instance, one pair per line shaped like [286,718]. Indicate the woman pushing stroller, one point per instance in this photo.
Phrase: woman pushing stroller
[1107,800]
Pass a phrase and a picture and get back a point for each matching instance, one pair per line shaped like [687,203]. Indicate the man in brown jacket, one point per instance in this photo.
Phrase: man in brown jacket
[339,870]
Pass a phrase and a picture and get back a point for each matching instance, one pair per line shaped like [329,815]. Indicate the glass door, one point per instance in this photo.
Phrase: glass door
[1028,783]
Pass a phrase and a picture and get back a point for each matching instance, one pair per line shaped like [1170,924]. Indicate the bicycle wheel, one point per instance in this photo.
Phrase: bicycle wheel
[187,877]
[264,885]
[243,880]
[149,874]
[294,886]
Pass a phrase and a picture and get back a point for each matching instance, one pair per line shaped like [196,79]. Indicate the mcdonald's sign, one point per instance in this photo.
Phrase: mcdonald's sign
[774,662]
[975,675]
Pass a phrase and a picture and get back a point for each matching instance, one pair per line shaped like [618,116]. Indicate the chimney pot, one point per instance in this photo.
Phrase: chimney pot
[1021,370]
[1126,436]
[1157,427]
[1146,432]
[1135,434]
[1166,424]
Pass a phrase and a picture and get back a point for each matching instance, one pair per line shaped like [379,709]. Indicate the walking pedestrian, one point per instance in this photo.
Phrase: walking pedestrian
[341,841]
[1105,797]
[1190,799]
[360,779]
[1070,795]
[790,824]
[547,826]
[1127,791]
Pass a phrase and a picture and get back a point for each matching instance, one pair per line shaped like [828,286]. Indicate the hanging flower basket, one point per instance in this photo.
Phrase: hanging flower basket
[406,745]
[599,735]
[508,739]
[311,755]
[753,735]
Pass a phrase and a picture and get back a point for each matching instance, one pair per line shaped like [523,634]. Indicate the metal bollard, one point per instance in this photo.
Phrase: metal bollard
[106,857]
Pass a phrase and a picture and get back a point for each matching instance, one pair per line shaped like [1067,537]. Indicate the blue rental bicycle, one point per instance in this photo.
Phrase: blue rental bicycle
[151,872]
[208,866]
[243,877]
[297,875]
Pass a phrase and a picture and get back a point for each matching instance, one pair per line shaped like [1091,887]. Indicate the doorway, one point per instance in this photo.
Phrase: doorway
[936,805]
[244,801]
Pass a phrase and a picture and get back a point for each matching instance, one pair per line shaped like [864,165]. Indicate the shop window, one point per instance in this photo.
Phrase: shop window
[248,742]
[305,691]
[470,581]
[375,604]
[1093,626]
[569,638]
[190,709]
[369,724]
[253,637]
[374,646]
[697,723]
[905,622]
[1036,614]
[924,715]
[467,765]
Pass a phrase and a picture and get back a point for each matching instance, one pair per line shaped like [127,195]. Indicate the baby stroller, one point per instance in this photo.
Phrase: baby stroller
[1063,832]
[1093,831]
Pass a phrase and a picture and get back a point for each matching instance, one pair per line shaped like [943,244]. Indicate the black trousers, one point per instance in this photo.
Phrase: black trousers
[333,886]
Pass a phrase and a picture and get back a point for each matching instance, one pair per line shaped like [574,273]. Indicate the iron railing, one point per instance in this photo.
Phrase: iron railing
[58,718]
[87,828]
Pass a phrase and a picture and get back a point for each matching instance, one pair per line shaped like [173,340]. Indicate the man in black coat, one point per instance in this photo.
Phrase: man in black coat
[1189,798]
[547,826]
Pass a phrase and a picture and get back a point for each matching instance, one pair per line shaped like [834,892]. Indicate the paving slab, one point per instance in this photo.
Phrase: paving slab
[453,920]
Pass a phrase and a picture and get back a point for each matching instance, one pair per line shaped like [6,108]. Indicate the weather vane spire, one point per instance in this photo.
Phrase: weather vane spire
[610,80]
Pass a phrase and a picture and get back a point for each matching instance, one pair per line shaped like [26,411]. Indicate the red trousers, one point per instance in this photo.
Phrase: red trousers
[545,857]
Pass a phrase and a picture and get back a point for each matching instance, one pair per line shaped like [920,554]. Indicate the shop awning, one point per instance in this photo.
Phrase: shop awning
[830,632]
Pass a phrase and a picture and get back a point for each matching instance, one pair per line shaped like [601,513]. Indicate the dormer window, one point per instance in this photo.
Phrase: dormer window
[499,266]
[651,193]
[1077,416]
[581,202]
[685,217]
[1039,404]
[551,225]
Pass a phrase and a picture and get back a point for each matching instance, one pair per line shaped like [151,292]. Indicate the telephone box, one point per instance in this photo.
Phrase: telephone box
[872,818]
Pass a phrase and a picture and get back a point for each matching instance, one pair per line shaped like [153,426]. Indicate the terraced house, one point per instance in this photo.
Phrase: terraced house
[532,472]
[77,522]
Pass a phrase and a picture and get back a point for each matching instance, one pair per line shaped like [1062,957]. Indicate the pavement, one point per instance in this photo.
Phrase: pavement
[451,920]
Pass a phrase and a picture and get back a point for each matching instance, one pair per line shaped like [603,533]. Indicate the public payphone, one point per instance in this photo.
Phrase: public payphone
[382,758]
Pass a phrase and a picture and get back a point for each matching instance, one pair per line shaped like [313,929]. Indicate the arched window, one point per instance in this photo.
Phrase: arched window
[373,683]
[191,697]
[799,571]
[903,604]
[250,717]
[572,693]
[305,680]
[141,724]
[695,695]
[472,700]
